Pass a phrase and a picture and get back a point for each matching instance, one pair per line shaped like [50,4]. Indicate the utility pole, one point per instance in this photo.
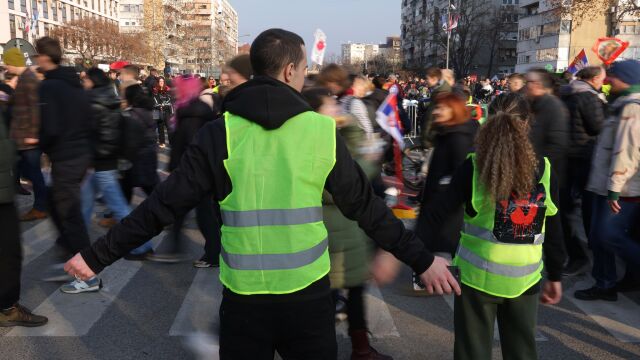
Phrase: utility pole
[448,30]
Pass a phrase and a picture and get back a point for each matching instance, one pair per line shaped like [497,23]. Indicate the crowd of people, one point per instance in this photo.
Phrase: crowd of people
[284,171]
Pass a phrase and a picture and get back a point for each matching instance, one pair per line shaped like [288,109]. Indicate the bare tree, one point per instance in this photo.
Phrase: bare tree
[581,10]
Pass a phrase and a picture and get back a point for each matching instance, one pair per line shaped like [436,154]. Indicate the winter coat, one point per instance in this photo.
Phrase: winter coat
[349,247]
[144,166]
[452,145]
[189,119]
[586,117]
[549,133]
[65,115]
[25,116]
[616,162]
[427,118]
[7,165]
[105,128]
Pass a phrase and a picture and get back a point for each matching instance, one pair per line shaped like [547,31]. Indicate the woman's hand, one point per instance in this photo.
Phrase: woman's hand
[551,293]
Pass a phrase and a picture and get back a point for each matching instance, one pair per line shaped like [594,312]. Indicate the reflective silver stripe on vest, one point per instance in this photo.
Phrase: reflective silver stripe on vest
[498,269]
[275,261]
[485,234]
[272,217]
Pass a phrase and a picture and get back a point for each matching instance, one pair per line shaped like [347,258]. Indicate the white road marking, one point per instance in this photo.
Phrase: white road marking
[620,318]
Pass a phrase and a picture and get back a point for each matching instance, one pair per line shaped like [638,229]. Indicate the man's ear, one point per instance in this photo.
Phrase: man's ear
[288,72]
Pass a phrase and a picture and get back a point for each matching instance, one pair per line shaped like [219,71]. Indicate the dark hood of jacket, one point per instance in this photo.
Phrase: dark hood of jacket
[65,74]
[577,86]
[265,101]
[104,96]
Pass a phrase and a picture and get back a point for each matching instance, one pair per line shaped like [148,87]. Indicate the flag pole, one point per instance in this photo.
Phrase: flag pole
[448,30]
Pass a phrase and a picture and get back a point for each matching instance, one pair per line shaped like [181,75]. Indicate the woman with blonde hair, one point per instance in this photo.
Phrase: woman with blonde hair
[509,197]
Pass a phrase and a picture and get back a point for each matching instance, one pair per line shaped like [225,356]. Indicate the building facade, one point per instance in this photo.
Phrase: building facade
[357,53]
[131,16]
[628,29]
[32,19]
[492,24]
[392,49]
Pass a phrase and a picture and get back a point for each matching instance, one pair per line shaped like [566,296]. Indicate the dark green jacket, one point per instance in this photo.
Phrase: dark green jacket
[7,163]
[349,247]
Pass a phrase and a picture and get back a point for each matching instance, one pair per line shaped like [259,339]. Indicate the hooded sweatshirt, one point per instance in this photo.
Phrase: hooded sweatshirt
[201,172]
[64,115]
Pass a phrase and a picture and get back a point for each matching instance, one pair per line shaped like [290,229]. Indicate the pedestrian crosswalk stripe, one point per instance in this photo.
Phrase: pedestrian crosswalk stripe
[74,315]
[620,318]
[37,240]
[199,310]
[496,332]
[379,319]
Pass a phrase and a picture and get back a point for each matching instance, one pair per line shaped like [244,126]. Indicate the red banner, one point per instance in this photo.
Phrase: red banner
[608,49]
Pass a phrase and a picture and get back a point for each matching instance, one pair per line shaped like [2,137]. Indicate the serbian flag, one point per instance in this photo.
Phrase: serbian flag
[388,117]
[578,63]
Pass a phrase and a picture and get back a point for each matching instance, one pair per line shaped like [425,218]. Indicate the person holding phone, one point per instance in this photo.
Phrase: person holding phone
[511,218]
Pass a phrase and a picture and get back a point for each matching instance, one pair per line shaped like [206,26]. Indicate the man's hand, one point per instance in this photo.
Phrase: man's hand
[31,141]
[551,293]
[384,268]
[78,268]
[615,207]
[438,279]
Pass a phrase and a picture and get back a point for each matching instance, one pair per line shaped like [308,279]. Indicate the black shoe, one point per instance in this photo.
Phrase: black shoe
[576,267]
[138,257]
[595,293]
[19,315]
[417,283]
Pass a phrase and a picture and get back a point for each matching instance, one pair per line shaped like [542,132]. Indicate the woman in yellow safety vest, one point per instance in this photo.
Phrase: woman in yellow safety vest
[509,195]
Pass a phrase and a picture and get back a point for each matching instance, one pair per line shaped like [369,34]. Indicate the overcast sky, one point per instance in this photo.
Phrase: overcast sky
[369,21]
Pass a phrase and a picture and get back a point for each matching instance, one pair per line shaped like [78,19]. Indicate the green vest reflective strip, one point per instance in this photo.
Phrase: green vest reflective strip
[494,267]
[275,261]
[272,217]
[485,234]
[273,237]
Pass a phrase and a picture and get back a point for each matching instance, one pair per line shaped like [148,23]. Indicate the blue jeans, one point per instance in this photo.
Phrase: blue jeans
[106,182]
[29,167]
[610,236]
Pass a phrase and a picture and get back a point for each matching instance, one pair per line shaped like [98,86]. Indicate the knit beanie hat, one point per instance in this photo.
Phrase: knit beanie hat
[627,71]
[242,64]
[13,57]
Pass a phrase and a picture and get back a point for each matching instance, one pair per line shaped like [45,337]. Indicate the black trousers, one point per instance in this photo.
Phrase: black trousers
[10,256]
[209,222]
[303,330]
[64,200]
[573,196]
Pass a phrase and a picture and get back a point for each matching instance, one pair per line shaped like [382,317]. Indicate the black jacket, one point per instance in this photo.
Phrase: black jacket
[189,119]
[452,145]
[373,102]
[105,123]
[201,172]
[550,132]
[459,193]
[145,165]
[65,115]
[586,117]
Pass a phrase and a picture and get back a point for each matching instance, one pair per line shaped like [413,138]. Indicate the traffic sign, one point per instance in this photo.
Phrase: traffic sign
[25,48]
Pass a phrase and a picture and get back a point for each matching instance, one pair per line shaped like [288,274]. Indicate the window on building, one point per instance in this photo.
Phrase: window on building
[34,7]
[54,10]
[45,10]
[204,6]
[23,6]
[550,54]
[565,27]
[12,26]
[11,5]
[73,15]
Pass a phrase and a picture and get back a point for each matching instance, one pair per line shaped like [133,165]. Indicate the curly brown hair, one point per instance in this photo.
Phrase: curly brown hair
[505,158]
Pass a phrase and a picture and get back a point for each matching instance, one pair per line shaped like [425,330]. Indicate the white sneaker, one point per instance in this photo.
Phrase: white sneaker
[78,286]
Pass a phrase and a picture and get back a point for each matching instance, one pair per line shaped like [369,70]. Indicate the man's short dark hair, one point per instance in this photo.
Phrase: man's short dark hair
[98,77]
[434,72]
[274,49]
[50,47]
[379,81]
[132,69]
[589,72]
